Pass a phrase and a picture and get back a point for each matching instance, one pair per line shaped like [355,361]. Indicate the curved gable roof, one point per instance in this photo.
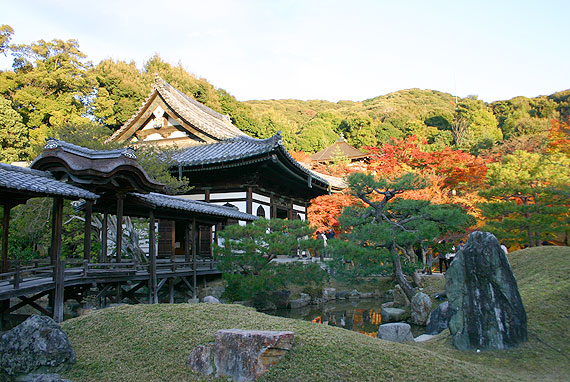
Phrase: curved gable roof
[194,113]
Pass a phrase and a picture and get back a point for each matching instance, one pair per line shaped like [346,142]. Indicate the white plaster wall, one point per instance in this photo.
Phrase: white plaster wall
[200,197]
[261,198]
[255,206]
[228,195]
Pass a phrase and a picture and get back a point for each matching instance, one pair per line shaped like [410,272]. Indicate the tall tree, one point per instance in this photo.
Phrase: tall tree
[13,134]
[389,225]
[525,193]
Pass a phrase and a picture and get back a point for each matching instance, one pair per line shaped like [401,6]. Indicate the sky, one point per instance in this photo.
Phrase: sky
[330,50]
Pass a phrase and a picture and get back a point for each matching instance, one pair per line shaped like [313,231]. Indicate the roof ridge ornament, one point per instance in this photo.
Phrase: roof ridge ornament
[51,143]
[129,152]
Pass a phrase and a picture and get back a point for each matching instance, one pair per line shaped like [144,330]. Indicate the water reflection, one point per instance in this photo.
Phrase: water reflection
[360,316]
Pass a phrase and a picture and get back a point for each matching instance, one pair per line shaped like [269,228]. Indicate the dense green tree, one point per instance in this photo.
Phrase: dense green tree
[526,203]
[388,225]
[121,90]
[246,253]
[51,84]
[13,134]
[6,32]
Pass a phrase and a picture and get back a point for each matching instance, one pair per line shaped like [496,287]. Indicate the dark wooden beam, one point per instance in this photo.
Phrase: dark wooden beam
[153,298]
[59,291]
[249,200]
[119,240]
[5,235]
[87,233]
[186,242]
[194,252]
[104,232]
[56,229]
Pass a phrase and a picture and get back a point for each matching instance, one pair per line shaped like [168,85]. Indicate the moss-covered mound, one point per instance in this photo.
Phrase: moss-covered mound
[152,342]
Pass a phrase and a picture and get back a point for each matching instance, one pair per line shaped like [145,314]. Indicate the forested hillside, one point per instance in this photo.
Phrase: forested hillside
[53,84]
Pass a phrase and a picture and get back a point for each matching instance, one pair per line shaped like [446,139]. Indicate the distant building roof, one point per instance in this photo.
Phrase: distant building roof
[192,112]
[338,149]
[28,183]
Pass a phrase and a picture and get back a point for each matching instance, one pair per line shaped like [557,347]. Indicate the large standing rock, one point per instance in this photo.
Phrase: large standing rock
[329,294]
[395,332]
[485,304]
[242,355]
[211,300]
[420,307]
[38,345]
[393,315]
[438,319]
[400,298]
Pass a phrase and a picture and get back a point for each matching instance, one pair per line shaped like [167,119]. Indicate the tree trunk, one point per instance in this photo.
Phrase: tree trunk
[400,278]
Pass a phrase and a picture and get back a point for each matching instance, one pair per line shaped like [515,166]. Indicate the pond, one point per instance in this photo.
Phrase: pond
[361,316]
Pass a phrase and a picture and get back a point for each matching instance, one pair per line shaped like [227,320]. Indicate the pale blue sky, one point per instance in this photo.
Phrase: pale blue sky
[332,50]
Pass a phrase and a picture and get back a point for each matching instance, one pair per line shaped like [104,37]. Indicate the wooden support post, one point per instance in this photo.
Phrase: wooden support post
[249,200]
[216,237]
[56,228]
[119,241]
[59,291]
[194,250]
[119,293]
[171,290]
[87,233]
[104,233]
[186,242]
[153,298]
[5,234]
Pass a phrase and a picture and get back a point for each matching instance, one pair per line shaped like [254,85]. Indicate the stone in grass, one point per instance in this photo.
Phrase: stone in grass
[484,300]
[38,345]
[211,300]
[421,308]
[393,315]
[395,332]
[242,355]
[43,378]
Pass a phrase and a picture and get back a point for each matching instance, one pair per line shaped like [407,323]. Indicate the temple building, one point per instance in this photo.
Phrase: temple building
[225,166]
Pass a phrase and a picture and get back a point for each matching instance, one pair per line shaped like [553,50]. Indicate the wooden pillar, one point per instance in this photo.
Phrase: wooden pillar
[56,229]
[5,235]
[153,298]
[120,198]
[59,291]
[249,200]
[171,290]
[194,251]
[87,233]
[186,242]
[218,230]
[104,231]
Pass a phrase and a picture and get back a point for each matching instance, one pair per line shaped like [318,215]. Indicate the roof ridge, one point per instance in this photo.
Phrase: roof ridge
[25,170]
[53,143]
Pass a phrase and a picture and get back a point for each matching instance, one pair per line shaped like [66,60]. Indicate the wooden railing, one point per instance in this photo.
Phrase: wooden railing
[82,269]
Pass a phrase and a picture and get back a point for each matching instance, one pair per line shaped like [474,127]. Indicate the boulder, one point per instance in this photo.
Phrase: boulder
[438,319]
[389,304]
[304,300]
[354,295]
[215,290]
[43,378]
[329,294]
[423,337]
[486,310]
[393,315]
[38,345]
[388,295]
[417,280]
[341,294]
[395,332]
[421,308]
[242,355]
[400,298]
[211,300]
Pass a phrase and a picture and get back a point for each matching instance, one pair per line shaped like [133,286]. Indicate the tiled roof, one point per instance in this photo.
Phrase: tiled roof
[243,148]
[15,178]
[52,143]
[167,201]
[202,117]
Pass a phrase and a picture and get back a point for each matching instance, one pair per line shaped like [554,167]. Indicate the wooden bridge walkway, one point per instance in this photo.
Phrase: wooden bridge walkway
[105,282]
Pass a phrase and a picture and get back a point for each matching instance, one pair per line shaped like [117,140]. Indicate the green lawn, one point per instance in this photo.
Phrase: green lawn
[152,342]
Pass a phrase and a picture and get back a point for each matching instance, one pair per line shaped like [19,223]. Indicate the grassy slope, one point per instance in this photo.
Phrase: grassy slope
[151,343]
[543,277]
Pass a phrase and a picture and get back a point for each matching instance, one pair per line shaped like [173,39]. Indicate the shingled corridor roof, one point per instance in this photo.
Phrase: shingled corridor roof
[193,112]
[177,203]
[35,183]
